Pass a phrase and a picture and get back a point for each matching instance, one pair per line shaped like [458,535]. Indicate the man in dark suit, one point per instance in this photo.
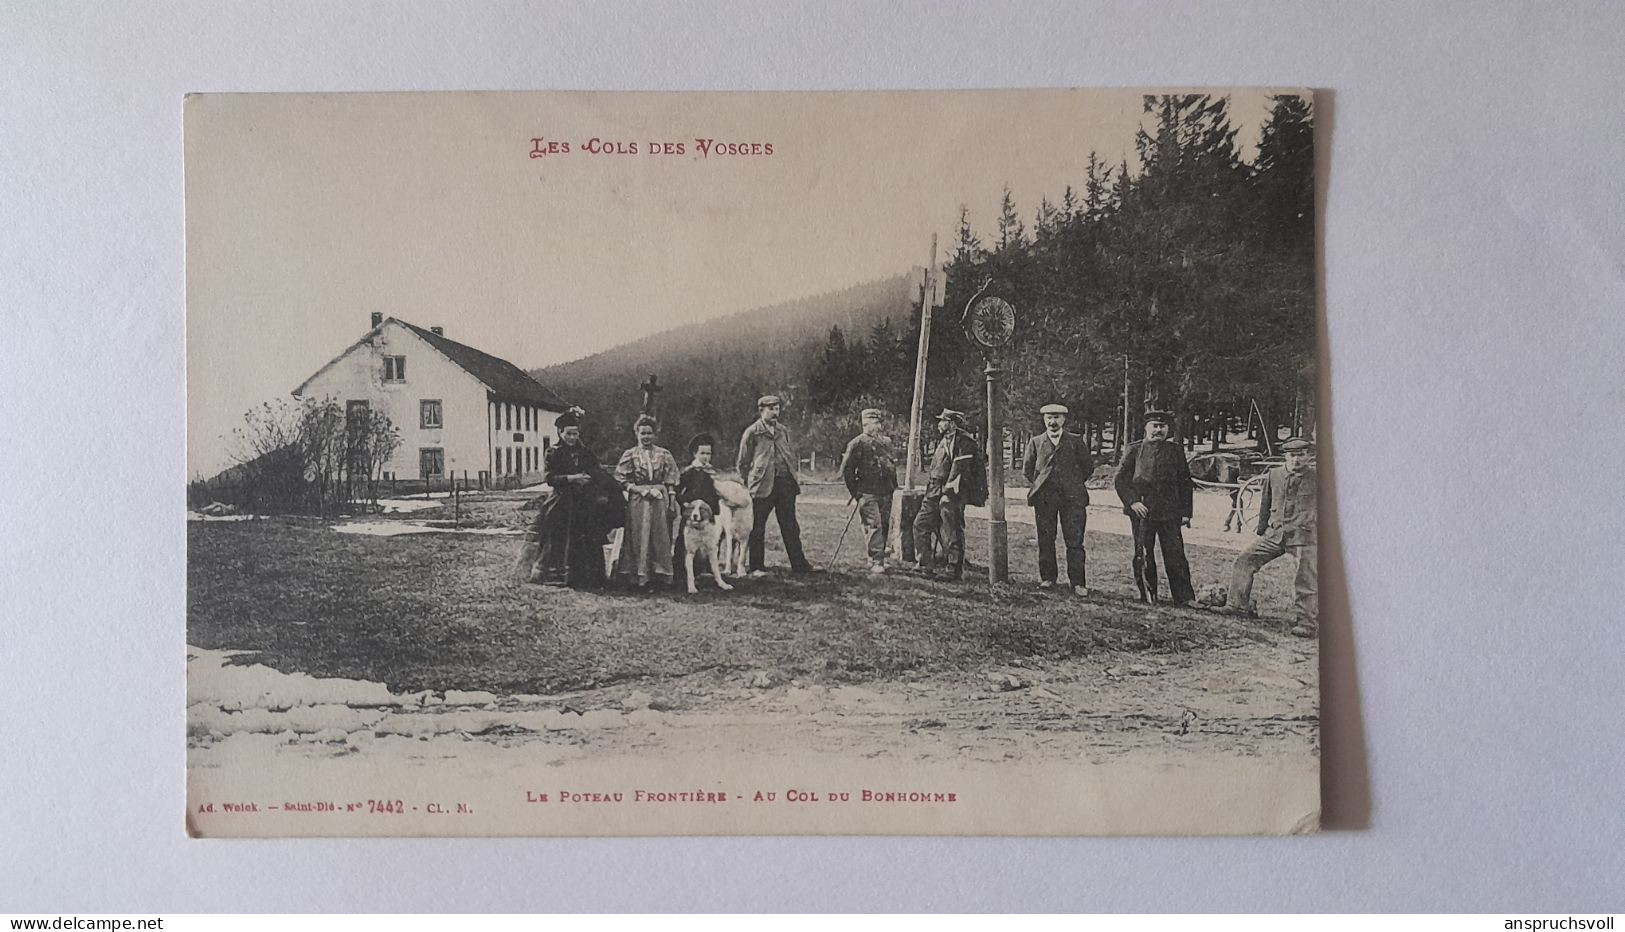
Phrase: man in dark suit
[1057,467]
[1154,482]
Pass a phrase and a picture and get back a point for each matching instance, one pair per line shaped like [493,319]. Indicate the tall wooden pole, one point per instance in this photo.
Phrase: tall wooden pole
[998,540]
[912,470]
[1122,438]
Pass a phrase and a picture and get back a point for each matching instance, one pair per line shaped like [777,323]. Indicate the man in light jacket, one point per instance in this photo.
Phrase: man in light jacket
[1286,524]
[1057,466]
[767,464]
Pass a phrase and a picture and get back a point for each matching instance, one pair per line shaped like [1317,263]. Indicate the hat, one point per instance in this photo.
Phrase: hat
[567,419]
[1166,417]
[701,440]
[766,400]
[1297,445]
[949,414]
[872,414]
[1054,409]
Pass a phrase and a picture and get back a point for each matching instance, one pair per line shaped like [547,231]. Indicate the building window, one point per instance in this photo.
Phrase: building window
[394,368]
[431,462]
[429,413]
[355,414]
[508,470]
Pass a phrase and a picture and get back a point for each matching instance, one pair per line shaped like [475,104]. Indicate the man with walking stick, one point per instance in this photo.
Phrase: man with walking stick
[869,469]
[1154,482]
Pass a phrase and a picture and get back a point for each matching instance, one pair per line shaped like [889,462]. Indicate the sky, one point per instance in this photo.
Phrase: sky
[305,213]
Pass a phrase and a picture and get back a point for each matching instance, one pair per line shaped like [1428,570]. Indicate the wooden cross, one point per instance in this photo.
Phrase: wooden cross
[650,388]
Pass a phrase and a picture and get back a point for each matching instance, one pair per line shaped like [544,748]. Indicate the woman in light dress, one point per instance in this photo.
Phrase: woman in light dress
[650,475]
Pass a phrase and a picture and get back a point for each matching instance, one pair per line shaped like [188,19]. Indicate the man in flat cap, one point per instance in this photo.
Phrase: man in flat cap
[767,464]
[1154,482]
[869,469]
[1286,524]
[942,512]
[1057,467]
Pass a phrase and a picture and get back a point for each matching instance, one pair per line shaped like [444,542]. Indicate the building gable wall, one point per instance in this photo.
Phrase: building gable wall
[358,375]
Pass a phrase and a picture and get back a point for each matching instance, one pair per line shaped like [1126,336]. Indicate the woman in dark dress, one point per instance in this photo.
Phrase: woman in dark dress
[565,545]
[697,483]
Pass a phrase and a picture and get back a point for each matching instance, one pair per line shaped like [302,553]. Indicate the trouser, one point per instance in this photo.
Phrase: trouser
[944,515]
[1306,595]
[1073,517]
[781,502]
[875,510]
[1146,534]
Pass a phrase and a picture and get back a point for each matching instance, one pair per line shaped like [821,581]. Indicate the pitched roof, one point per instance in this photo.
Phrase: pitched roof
[505,380]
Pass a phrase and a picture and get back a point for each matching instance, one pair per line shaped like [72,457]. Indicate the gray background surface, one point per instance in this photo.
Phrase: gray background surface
[1474,277]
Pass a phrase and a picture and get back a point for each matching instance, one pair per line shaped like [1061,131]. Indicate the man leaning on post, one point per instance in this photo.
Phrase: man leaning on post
[943,509]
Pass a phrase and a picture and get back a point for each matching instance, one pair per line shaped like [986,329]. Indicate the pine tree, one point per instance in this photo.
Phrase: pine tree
[1045,221]
[831,383]
[1012,232]
[1284,181]
[968,248]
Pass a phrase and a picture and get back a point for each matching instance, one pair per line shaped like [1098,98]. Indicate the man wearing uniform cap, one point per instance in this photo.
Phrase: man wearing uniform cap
[1154,482]
[1286,524]
[767,464]
[943,509]
[869,469]
[1057,467]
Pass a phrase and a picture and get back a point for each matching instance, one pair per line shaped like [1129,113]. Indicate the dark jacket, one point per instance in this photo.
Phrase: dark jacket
[953,455]
[1286,510]
[1053,469]
[599,504]
[1155,473]
[699,484]
[868,467]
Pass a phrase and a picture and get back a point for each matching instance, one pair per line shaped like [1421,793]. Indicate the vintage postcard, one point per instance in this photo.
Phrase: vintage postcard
[751,463]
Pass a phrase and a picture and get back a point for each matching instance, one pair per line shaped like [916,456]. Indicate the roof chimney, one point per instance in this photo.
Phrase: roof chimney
[438,331]
[377,318]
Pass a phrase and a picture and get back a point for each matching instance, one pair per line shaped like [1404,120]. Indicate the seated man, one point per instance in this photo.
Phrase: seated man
[1286,524]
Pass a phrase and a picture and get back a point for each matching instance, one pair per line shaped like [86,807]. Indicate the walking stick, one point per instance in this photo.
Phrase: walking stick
[838,543]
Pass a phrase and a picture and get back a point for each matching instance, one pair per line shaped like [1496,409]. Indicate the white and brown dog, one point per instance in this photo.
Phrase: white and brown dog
[702,539]
[735,520]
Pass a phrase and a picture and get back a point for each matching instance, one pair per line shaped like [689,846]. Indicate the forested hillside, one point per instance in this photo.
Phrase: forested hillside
[1190,273]
[711,373]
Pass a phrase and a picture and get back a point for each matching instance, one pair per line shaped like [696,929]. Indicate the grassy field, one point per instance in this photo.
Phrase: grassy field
[440,611]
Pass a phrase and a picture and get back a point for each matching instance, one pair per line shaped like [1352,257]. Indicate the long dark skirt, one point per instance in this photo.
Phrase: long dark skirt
[565,544]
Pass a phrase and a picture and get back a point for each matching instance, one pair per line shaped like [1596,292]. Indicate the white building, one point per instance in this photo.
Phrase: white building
[459,411]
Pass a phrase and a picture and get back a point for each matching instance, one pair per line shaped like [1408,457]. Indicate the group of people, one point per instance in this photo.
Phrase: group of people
[646,491]
[644,495]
